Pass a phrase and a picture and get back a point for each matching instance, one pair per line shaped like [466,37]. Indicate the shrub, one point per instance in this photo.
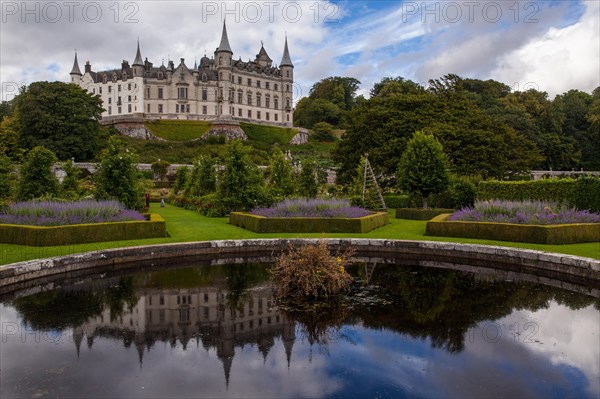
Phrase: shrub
[70,183]
[323,131]
[181,179]
[524,212]
[587,194]
[305,207]
[396,201]
[5,177]
[308,183]
[281,182]
[37,179]
[55,213]
[311,272]
[160,169]
[203,178]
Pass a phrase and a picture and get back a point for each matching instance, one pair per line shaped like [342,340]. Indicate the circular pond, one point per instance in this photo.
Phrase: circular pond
[214,330]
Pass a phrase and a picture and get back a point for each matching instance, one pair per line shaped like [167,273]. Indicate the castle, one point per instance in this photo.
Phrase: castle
[219,89]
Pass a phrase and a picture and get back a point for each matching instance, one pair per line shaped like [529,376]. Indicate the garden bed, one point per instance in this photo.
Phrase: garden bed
[261,224]
[441,226]
[420,214]
[40,236]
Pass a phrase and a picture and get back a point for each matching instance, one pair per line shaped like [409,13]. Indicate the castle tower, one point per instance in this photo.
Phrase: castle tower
[223,56]
[138,63]
[262,58]
[75,71]
[287,76]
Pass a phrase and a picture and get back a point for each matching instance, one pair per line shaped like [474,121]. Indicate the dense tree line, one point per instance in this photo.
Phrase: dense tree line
[485,129]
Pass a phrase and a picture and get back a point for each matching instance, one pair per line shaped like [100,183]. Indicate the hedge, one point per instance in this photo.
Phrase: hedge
[41,236]
[420,214]
[396,201]
[583,193]
[261,224]
[440,226]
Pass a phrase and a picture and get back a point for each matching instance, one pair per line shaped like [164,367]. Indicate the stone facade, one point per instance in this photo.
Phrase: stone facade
[219,88]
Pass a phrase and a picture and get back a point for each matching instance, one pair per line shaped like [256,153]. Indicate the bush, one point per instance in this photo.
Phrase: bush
[203,177]
[160,169]
[311,272]
[587,194]
[181,179]
[5,177]
[323,131]
[37,179]
[396,201]
[309,186]
[281,182]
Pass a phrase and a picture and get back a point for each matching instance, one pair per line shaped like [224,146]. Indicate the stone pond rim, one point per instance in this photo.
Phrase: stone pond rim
[544,265]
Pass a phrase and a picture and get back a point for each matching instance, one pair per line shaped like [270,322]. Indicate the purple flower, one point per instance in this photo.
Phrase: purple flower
[303,207]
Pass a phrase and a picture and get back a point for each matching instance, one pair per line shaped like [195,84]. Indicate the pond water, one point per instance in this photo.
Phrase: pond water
[215,331]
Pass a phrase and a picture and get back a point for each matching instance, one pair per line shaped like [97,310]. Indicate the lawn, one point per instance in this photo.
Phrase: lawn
[185,226]
[175,130]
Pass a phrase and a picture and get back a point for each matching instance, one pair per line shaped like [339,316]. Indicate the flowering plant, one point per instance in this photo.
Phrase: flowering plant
[304,207]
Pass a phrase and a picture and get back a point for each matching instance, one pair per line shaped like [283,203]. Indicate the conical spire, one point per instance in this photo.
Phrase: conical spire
[138,56]
[286,60]
[224,46]
[75,70]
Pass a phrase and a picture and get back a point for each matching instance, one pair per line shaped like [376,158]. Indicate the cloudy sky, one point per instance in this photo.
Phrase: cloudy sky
[550,45]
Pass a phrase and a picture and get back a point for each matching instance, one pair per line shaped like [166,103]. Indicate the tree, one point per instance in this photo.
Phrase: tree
[398,85]
[309,186]
[423,168]
[5,177]
[60,116]
[9,138]
[70,183]
[203,179]
[323,131]
[592,161]
[117,176]
[242,185]
[281,182]
[160,169]
[37,178]
[181,179]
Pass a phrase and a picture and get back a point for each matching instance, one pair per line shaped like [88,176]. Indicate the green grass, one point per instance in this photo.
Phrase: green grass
[186,226]
[175,130]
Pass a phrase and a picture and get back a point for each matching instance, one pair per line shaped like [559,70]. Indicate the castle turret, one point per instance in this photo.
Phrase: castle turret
[262,58]
[138,63]
[75,71]
[223,56]
[287,76]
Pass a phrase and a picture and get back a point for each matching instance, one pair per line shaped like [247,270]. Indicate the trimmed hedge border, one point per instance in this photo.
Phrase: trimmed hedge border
[559,234]
[261,224]
[420,214]
[43,236]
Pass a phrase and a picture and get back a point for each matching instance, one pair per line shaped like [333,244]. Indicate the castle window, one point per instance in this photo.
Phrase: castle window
[148,108]
[287,102]
[257,114]
[204,94]
[204,77]
[160,93]
[160,108]
[240,112]
[93,91]
[239,80]
[249,113]
[148,92]
[276,103]
[110,100]
[109,110]
[128,86]
[249,98]
[182,93]
[220,75]
[119,88]
[205,111]
[232,81]
[287,74]
[161,315]
[249,82]
[187,108]
[176,107]
[258,98]
[124,76]
[258,84]
[119,110]
[287,87]
[161,300]
[267,116]
[276,87]
[267,85]
[129,108]
[220,61]
[267,101]
[276,117]
[239,97]
[160,75]
[109,89]
[128,98]
[288,117]
[100,90]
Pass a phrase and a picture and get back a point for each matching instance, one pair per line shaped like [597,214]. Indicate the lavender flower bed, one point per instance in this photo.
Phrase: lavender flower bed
[53,213]
[524,212]
[313,208]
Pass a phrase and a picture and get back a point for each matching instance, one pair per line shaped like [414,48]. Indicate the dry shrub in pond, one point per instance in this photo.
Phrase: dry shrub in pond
[311,272]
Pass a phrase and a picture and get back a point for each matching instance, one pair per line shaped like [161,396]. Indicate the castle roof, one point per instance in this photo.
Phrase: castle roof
[138,56]
[75,70]
[286,60]
[224,46]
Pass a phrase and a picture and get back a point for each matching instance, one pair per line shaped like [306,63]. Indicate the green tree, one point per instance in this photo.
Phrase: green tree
[242,186]
[60,116]
[398,85]
[160,169]
[281,181]
[9,138]
[323,131]
[37,178]
[423,168]
[592,158]
[5,177]
[70,183]
[182,175]
[309,186]
[203,179]
[117,176]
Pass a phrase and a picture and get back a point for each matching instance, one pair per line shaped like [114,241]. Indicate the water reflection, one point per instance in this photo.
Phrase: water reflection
[215,332]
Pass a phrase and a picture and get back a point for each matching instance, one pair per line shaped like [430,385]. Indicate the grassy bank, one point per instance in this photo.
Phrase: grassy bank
[185,226]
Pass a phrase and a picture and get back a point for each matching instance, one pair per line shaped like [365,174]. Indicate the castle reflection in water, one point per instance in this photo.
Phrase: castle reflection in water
[201,314]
